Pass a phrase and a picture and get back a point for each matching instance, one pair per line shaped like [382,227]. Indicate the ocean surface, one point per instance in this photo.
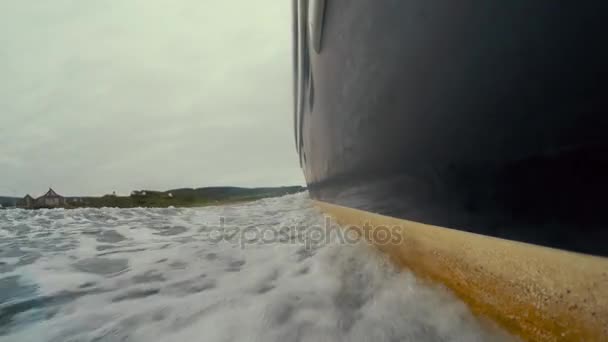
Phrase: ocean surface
[270,270]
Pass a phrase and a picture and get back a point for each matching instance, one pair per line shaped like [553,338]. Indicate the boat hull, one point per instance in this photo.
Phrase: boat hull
[481,118]
[485,117]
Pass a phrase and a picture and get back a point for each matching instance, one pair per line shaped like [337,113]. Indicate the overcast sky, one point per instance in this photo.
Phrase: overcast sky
[97,96]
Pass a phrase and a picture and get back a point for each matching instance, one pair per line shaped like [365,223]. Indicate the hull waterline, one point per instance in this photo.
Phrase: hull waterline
[485,120]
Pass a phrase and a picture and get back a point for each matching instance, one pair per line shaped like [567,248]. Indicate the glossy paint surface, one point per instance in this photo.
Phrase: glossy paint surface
[487,117]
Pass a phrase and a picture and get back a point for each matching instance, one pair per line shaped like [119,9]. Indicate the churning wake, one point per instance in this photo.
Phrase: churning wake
[226,273]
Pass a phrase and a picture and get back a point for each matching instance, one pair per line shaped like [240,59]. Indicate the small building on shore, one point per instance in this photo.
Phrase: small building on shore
[50,199]
[29,201]
[26,202]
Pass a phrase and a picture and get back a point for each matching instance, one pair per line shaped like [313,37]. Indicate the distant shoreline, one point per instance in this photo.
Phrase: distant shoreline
[178,198]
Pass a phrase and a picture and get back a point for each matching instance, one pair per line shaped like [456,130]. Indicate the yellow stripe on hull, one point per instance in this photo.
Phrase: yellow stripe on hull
[537,293]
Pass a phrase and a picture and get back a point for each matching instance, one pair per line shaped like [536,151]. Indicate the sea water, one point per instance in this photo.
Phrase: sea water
[270,270]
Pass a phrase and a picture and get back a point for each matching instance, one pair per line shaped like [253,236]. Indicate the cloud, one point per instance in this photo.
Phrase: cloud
[102,96]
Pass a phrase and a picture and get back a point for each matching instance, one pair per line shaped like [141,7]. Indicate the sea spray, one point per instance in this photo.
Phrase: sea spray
[155,275]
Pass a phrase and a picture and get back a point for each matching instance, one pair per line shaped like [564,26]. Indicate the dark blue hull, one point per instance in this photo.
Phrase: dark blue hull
[483,116]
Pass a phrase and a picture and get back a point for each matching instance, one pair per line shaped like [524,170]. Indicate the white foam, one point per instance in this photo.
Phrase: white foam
[153,275]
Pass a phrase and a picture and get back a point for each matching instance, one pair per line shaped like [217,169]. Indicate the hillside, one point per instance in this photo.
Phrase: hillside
[8,201]
[182,197]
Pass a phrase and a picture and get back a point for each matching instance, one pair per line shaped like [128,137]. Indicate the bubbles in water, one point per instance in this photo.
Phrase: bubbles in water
[199,274]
